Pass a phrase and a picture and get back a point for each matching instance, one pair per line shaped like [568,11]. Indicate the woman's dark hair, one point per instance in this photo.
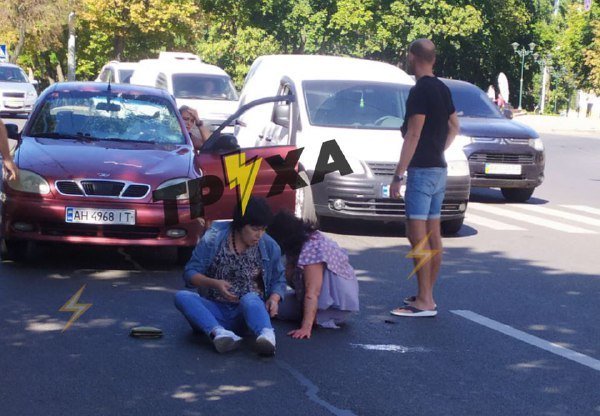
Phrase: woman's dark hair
[257,213]
[290,233]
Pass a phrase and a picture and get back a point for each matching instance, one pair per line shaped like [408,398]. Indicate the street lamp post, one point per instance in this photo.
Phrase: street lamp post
[522,53]
[546,63]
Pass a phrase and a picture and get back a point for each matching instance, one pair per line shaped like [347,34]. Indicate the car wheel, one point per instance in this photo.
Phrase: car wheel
[517,194]
[452,226]
[13,250]
[184,254]
[304,207]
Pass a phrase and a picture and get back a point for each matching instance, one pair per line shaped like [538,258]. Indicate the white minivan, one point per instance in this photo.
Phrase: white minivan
[206,88]
[361,105]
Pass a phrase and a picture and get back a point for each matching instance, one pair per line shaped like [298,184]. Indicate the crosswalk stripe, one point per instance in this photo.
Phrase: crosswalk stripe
[562,214]
[583,208]
[493,224]
[555,225]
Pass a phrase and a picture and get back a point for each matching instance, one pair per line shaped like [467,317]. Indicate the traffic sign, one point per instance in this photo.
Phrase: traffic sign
[3,54]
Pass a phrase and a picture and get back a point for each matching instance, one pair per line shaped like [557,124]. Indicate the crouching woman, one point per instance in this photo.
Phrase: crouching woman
[237,270]
[325,285]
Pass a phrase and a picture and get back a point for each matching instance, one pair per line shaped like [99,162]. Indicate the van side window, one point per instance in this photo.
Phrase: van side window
[104,75]
[161,81]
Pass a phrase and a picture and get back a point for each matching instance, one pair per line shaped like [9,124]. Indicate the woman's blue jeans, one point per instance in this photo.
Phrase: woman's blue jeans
[205,315]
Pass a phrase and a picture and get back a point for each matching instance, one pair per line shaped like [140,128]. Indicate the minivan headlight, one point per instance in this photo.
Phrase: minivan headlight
[30,182]
[177,181]
[31,94]
[537,144]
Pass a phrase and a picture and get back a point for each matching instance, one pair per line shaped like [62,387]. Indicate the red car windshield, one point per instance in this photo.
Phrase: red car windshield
[106,115]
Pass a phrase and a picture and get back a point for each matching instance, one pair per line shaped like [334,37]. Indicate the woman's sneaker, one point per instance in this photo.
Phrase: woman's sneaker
[224,340]
[265,342]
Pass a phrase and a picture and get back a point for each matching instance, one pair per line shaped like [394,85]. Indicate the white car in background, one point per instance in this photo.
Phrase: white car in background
[117,72]
[17,93]
[206,88]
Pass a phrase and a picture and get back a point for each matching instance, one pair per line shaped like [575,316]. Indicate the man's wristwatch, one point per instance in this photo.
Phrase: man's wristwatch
[397,178]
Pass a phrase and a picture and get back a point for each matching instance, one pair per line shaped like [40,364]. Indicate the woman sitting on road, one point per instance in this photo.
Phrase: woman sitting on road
[325,286]
[239,267]
[195,127]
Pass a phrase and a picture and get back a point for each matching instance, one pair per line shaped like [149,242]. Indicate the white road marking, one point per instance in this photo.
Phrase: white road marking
[558,213]
[530,339]
[390,347]
[493,224]
[312,390]
[583,208]
[555,225]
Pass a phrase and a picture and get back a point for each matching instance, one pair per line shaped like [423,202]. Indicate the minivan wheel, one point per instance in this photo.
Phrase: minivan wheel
[13,250]
[517,194]
[452,226]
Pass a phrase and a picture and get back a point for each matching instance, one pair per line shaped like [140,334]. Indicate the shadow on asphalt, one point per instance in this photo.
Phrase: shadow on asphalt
[494,196]
[181,374]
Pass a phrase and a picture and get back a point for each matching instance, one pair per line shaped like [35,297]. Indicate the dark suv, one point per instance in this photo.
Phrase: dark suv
[502,153]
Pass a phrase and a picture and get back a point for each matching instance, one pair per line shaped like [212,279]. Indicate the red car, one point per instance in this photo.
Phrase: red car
[91,158]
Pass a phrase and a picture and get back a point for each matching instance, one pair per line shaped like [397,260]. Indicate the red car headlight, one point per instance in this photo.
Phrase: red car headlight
[30,182]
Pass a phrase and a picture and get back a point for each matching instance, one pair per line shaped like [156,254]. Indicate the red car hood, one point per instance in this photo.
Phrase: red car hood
[137,162]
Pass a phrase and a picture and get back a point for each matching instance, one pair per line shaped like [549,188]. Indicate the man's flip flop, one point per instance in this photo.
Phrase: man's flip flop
[412,312]
[410,299]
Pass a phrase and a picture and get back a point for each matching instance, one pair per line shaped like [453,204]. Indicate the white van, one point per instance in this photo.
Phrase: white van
[117,72]
[206,88]
[358,103]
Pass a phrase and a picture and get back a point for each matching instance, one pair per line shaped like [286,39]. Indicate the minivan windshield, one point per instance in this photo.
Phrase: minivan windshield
[356,104]
[125,75]
[204,87]
[470,101]
[93,115]
[12,74]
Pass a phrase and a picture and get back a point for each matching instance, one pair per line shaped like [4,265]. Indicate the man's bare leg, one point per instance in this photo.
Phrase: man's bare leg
[435,242]
[417,235]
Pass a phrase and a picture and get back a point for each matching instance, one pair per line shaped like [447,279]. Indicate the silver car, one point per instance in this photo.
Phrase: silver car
[17,94]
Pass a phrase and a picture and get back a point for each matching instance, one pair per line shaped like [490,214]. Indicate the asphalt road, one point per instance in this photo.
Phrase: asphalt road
[515,271]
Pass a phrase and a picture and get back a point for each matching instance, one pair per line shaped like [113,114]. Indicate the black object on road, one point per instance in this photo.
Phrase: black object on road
[146,332]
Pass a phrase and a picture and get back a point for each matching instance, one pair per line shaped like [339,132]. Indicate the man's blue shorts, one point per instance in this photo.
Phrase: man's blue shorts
[425,189]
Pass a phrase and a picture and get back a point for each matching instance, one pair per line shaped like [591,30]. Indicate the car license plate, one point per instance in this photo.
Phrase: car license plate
[502,169]
[14,104]
[385,191]
[100,216]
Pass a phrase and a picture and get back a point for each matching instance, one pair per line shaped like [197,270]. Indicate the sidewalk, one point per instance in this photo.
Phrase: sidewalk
[561,125]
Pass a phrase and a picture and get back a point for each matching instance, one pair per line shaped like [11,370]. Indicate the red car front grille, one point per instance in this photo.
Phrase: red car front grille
[109,231]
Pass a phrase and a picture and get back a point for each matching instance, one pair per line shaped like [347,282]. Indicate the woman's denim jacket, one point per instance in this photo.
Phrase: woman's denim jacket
[272,267]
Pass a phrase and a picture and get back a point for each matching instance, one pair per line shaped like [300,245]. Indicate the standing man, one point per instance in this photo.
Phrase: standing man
[430,126]
[7,160]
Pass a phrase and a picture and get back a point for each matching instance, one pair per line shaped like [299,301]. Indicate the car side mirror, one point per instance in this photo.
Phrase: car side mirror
[508,114]
[281,115]
[221,143]
[13,131]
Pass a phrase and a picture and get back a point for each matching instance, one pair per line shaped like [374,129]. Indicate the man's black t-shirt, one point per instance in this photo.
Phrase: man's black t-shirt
[432,98]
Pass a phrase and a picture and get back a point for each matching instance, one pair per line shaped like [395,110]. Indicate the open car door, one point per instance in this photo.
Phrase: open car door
[223,185]
[231,174]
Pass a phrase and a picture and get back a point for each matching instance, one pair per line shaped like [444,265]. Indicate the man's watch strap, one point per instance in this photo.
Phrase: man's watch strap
[398,178]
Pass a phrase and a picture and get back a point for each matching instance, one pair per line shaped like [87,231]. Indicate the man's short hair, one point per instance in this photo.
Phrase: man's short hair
[423,49]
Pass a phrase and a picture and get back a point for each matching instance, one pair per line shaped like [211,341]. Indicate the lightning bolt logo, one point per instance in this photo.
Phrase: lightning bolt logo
[242,174]
[421,254]
[72,306]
